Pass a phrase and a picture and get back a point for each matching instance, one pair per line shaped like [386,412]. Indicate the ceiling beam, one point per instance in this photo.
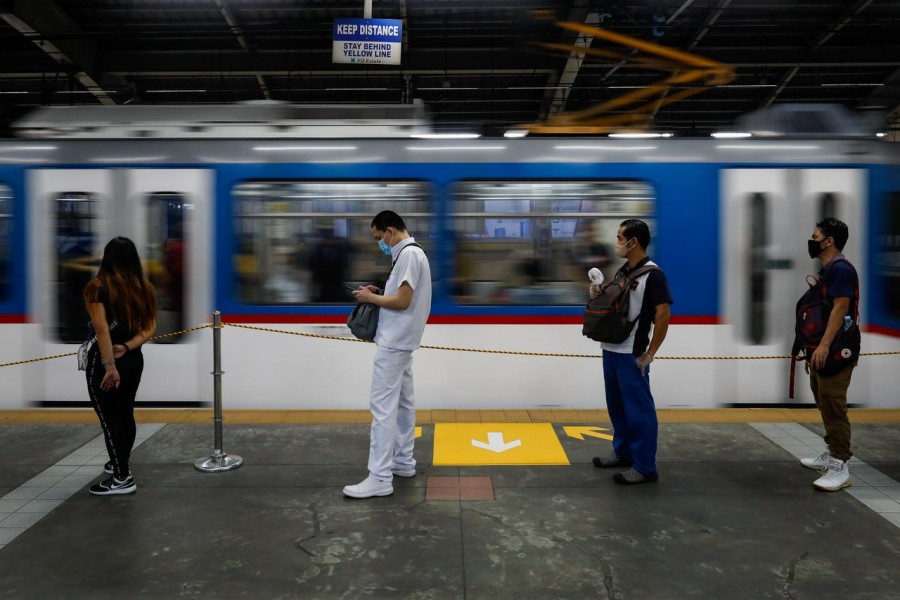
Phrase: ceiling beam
[45,24]
[848,16]
[569,74]
[709,22]
[242,42]
[781,85]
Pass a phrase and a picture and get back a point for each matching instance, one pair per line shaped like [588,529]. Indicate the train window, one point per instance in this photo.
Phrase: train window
[6,224]
[759,278]
[827,205]
[76,262]
[890,255]
[532,242]
[167,222]
[298,242]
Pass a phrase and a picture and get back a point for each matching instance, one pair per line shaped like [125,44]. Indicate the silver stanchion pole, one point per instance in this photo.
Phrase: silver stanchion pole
[219,460]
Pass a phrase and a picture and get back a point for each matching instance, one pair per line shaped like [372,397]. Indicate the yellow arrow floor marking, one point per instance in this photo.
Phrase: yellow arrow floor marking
[477,444]
[579,432]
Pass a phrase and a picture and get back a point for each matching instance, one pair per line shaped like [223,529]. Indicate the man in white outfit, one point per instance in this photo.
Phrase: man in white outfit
[405,307]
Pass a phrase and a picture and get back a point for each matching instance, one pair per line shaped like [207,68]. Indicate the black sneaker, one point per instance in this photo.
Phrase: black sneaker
[108,468]
[113,486]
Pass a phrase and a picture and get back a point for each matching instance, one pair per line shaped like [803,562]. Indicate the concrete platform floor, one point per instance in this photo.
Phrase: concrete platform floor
[733,516]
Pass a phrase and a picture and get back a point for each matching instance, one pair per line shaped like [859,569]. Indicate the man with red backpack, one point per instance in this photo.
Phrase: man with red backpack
[830,363]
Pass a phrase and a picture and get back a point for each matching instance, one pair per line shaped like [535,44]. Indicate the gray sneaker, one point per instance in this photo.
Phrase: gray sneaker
[613,460]
[819,463]
[632,476]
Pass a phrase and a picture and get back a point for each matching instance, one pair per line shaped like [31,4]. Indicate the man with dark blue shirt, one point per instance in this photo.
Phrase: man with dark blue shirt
[842,286]
[626,366]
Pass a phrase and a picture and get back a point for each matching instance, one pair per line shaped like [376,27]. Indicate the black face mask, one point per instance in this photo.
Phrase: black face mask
[814,247]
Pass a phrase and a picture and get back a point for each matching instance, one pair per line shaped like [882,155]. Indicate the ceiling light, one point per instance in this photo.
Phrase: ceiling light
[303,148]
[851,84]
[604,147]
[639,136]
[515,133]
[768,147]
[454,148]
[731,135]
[27,148]
[445,136]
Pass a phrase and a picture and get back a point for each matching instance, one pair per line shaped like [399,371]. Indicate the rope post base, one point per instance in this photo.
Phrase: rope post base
[219,460]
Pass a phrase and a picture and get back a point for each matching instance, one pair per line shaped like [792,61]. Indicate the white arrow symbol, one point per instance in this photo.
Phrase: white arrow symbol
[495,443]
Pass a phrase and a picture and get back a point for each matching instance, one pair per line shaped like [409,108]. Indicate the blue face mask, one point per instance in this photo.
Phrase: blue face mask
[383,246]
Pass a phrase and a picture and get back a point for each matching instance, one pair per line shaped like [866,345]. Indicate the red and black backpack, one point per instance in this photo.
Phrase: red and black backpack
[812,313]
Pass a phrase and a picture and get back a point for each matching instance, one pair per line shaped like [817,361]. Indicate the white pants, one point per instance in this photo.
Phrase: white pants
[393,409]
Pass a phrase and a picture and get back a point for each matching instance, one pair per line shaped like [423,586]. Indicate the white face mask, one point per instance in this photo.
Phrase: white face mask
[622,250]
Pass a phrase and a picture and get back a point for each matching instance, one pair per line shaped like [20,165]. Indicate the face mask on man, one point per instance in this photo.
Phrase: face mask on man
[622,250]
[383,246]
[814,247]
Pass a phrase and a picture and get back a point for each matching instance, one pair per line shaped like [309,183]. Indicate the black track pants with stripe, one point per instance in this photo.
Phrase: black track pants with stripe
[115,407]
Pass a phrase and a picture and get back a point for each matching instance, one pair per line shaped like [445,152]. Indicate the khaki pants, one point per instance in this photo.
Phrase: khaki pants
[831,400]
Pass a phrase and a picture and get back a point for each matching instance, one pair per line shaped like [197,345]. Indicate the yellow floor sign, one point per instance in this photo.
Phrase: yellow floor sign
[473,444]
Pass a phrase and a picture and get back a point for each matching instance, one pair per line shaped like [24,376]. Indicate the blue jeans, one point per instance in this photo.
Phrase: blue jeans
[631,410]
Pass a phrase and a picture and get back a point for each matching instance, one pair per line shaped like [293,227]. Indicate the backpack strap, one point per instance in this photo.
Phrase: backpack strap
[854,309]
[640,271]
[394,262]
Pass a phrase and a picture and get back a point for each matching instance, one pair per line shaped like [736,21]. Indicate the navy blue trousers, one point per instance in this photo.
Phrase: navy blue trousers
[631,410]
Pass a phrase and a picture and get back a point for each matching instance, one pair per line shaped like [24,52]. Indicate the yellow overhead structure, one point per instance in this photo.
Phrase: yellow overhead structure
[690,74]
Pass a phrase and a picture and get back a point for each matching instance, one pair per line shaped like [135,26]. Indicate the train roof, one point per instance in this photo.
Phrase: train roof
[269,132]
[356,150]
[263,119]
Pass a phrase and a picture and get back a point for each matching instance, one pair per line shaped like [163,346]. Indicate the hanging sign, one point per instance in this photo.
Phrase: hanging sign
[367,41]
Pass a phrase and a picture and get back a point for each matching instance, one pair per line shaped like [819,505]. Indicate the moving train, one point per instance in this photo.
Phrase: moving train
[265,216]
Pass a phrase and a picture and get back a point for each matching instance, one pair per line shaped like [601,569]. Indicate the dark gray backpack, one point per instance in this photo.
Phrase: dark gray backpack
[606,316]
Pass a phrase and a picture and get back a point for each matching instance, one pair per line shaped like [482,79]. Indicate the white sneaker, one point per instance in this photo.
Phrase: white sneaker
[404,471]
[369,487]
[837,476]
[819,463]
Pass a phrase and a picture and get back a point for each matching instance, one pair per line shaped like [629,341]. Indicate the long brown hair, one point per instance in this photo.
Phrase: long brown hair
[132,298]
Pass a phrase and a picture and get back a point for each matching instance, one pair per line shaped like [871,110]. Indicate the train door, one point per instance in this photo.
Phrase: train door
[73,213]
[767,216]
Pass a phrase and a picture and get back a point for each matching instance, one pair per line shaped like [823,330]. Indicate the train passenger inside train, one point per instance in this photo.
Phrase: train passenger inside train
[405,307]
[829,388]
[329,265]
[626,365]
[122,305]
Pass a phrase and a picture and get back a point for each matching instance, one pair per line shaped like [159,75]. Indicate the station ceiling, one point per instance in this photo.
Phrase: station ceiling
[479,65]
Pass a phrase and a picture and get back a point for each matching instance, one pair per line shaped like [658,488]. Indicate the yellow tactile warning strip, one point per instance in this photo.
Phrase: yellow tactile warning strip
[426,417]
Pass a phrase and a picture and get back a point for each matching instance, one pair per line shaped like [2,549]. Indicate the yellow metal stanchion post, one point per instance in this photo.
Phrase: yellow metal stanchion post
[219,460]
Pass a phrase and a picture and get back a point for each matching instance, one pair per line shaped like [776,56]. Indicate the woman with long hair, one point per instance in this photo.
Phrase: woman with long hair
[122,306]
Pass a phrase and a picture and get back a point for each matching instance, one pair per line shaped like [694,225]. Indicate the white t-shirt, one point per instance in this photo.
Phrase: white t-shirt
[402,329]
[635,302]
